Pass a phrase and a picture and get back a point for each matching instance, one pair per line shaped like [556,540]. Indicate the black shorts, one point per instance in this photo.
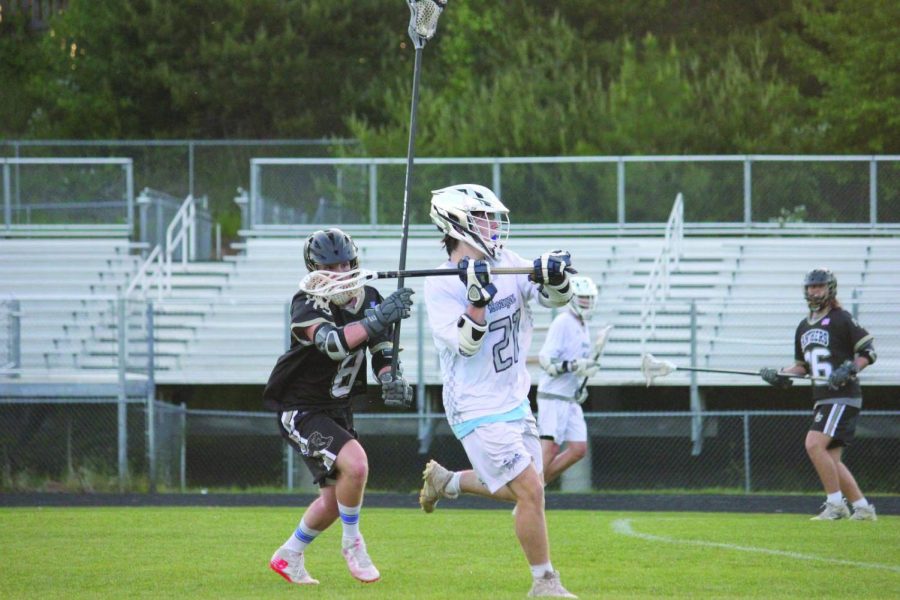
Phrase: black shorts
[837,421]
[318,436]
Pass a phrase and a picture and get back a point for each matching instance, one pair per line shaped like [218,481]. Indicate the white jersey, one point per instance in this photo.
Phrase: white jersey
[493,384]
[567,339]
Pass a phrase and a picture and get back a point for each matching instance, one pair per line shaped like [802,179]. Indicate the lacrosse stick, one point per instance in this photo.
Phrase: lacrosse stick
[599,343]
[423,20]
[331,286]
[652,367]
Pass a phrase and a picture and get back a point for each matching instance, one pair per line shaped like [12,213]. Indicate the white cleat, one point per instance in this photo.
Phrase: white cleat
[865,513]
[290,565]
[832,512]
[358,560]
[436,479]
[549,586]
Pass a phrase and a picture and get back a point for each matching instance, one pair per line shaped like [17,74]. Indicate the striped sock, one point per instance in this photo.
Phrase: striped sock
[302,537]
[350,520]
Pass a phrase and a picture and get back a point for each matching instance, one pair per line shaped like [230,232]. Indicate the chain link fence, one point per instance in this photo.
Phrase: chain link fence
[79,445]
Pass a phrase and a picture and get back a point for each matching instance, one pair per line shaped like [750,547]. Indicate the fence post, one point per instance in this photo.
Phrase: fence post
[182,455]
[151,400]
[748,192]
[289,466]
[7,199]
[873,192]
[15,335]
[747,485]
[123,395]
[620,191]
[696,400]
[373,193]
[496,181]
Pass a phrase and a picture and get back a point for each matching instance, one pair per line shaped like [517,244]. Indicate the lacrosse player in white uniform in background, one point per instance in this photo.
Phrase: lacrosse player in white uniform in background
[482,329]
[566,359]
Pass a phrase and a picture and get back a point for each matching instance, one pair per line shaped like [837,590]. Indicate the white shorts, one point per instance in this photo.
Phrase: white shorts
[562,421]
[499,452]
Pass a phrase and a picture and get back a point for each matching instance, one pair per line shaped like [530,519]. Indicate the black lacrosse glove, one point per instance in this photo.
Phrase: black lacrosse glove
[476,275]
[551,268]
[771,376]
[395,392]
[842,375]
[395,307]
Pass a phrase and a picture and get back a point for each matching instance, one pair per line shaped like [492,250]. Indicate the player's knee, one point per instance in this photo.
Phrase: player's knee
[357,469]
[579,450]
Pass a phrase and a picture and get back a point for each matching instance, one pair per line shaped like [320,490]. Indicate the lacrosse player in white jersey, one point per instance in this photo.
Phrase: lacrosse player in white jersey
[566,359]
[482,329]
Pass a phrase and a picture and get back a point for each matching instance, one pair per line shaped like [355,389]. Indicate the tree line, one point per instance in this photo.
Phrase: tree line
[504,78]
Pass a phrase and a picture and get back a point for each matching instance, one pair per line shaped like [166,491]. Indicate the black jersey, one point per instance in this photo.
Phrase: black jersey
[305,378]
[822,346]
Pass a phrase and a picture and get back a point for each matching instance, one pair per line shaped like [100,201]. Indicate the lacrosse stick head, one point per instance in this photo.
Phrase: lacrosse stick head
[602,338]
[344,289]
[423,19]
[651,368]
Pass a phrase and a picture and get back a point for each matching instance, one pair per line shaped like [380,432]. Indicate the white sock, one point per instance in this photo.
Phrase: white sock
[350,520]
[301,538]
[537,571]
[861,503]
[452,489]
[834,498]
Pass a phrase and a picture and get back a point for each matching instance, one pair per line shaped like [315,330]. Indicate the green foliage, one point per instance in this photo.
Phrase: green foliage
[851,49]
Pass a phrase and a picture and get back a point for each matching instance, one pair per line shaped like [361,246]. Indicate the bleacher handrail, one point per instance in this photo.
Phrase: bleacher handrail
[149,275]
[657,288]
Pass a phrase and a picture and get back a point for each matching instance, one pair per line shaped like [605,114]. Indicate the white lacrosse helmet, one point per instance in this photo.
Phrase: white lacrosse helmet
[472,214]
[584,296]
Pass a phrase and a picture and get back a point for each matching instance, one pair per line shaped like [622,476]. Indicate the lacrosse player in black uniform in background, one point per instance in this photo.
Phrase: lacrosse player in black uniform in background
[311,388]
[830,344]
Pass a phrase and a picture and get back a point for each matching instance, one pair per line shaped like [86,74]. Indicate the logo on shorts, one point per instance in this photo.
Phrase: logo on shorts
[317,441]
[818,417]
[510,462]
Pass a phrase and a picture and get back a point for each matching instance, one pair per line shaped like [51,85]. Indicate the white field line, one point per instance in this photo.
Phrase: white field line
[623,526]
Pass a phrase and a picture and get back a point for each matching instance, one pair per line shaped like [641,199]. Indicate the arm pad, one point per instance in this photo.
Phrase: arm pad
[331,342]
[868,350]
[471,335]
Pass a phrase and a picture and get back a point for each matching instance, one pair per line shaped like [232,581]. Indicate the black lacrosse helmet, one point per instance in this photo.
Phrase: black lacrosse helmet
[820,276]
[329,247]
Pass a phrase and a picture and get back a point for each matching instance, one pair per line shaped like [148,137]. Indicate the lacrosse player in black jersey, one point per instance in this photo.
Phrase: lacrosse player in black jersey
[830,344]
[311,388]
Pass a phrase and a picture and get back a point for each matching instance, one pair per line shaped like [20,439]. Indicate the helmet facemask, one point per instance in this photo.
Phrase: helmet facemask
[472,214]
[584,297]
[323,251]
[819,277]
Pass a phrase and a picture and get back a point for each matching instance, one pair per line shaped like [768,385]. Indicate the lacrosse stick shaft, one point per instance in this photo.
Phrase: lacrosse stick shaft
[743,372]
[597,353]
[444,272]
[410,153]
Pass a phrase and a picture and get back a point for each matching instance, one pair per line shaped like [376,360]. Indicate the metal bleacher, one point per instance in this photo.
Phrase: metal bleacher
[225,322]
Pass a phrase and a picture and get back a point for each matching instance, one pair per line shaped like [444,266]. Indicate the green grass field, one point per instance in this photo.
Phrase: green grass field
[223,553]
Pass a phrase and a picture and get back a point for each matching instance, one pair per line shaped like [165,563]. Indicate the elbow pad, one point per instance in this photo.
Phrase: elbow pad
[868,350]
[331,342]
[471,335]
[552,366]
[555,296]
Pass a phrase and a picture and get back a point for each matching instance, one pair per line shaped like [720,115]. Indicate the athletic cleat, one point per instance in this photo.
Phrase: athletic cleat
[549,586]
[289,565]
[832,512]
[436,479]
[358,560]
[865,513]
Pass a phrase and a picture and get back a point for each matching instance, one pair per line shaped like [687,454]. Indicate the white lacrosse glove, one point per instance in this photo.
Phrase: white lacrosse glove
[584,367]
[476,274]
[582,395]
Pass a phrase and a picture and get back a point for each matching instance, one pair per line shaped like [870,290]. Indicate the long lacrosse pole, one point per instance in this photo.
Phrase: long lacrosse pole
[598,352]
[742,372]
[418,37]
